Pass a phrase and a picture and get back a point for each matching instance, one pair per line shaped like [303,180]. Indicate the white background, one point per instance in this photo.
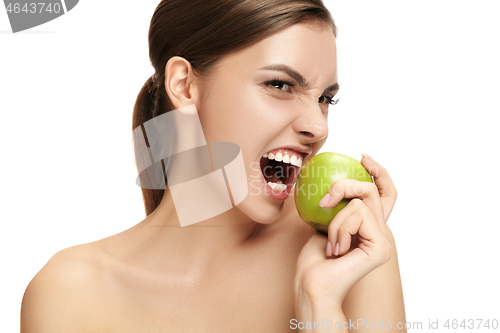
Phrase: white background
[419,93]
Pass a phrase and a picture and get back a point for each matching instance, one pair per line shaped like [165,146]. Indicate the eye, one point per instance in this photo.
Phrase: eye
[281,85]
[328,99]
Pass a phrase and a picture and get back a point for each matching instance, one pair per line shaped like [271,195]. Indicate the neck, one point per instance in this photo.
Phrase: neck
[200,245]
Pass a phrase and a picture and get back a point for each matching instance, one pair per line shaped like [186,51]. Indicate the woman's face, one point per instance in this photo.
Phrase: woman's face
[272,99]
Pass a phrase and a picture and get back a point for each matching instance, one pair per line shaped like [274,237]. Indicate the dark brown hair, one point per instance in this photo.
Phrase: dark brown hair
[202,32]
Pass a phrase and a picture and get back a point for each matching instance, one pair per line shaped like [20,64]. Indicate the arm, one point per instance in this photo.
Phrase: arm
[318,315]
[322,282]
[362,278]
[378,297]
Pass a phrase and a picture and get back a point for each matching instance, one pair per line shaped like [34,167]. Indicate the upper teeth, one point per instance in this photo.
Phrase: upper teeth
[285,158]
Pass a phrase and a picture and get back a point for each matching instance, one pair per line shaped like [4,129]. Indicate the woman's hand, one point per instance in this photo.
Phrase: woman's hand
[326,268]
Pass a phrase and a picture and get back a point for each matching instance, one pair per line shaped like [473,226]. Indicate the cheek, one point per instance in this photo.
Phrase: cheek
[231,114]
[222,113]
[247,116]
[264,116]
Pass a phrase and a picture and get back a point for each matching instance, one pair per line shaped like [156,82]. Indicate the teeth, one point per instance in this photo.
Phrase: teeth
[277,187]
[296,161]
[285,158]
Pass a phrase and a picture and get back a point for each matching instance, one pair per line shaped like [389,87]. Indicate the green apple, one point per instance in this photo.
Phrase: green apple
[314,182]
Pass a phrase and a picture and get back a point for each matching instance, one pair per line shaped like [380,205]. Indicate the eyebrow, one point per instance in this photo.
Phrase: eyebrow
[297,77]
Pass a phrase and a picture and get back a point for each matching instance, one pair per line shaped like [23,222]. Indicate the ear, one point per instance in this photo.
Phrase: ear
[180,83]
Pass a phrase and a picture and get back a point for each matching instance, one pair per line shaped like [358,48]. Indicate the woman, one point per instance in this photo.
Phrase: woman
[261,75]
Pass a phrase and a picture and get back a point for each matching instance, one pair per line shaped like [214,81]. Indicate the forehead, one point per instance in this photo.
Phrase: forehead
[309,48]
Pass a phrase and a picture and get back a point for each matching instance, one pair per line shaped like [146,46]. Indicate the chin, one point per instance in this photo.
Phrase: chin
[260,211]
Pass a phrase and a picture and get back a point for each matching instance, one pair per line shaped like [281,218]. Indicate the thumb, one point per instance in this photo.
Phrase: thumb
[385,185]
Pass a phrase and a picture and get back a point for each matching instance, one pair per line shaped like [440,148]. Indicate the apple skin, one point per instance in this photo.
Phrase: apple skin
[314,182]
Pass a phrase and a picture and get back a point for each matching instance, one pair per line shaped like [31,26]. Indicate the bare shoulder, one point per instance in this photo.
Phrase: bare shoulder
[62,295]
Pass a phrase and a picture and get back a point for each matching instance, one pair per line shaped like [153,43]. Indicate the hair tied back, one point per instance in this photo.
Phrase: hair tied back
[154,83]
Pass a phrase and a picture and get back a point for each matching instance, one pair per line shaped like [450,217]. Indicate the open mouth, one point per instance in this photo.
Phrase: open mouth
[280,168]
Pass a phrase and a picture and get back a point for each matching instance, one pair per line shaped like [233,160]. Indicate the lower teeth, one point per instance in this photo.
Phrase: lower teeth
[278,186]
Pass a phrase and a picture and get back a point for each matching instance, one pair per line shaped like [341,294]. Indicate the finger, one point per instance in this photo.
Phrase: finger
[346,224]
[350,188]
[361,222]
[338,220]
[385,185]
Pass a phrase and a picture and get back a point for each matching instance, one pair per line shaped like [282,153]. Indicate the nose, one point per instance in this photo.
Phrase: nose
[311,124]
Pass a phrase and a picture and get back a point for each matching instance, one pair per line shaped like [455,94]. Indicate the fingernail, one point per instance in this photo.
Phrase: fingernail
[336,251]
[367,156]
[329,250]
[324,200]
